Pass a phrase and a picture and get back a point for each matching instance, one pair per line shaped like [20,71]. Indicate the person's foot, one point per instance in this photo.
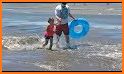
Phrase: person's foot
[57,45]
[43,46]
[50,49]
[39,48]
[68,46]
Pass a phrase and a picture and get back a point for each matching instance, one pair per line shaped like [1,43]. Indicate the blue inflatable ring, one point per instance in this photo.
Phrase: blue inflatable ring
[83,32]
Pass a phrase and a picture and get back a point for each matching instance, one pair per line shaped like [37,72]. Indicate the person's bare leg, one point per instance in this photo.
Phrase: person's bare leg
[46,42]
[67,39]
[51,43]
[57,42]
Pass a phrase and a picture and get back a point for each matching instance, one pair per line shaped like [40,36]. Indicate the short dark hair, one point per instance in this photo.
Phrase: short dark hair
[64,3]
[49,20]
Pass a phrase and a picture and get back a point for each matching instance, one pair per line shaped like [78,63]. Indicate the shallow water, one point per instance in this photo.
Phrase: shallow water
[29,19]
[89,56]
[99,50]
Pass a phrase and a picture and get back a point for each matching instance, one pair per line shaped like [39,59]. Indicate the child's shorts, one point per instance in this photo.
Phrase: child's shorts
[48,37]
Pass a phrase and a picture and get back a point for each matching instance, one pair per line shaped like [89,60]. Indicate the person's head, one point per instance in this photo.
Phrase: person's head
[63,4]
[51,21]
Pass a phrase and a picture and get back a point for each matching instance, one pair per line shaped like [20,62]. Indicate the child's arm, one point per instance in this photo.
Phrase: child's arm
[54,28]
[47,28]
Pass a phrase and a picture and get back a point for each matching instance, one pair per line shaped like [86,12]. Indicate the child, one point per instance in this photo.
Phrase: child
[49,33]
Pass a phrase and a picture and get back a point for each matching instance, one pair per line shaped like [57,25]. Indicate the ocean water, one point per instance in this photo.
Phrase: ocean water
[22,33]
[25,23]
[17,18]
[36,22]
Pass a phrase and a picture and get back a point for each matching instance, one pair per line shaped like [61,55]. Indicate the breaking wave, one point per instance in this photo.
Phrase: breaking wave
[22,42]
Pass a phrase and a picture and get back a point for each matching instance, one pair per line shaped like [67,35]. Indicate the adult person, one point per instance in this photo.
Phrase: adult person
[62,12]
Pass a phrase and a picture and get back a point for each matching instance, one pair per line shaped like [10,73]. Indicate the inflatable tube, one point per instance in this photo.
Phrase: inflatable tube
[85,28]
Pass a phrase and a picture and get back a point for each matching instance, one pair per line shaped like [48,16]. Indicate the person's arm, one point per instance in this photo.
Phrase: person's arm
[71,16]
[70,13]
[48,29]
[58,19]
[54,28]
[57,15]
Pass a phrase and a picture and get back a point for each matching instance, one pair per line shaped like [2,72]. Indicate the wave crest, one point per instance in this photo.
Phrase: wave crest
[20,43]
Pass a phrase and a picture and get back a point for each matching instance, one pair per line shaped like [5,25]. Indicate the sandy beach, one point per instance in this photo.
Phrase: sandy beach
[99,50]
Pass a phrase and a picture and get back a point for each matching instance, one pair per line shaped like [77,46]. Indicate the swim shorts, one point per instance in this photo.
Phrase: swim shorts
[62,28]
